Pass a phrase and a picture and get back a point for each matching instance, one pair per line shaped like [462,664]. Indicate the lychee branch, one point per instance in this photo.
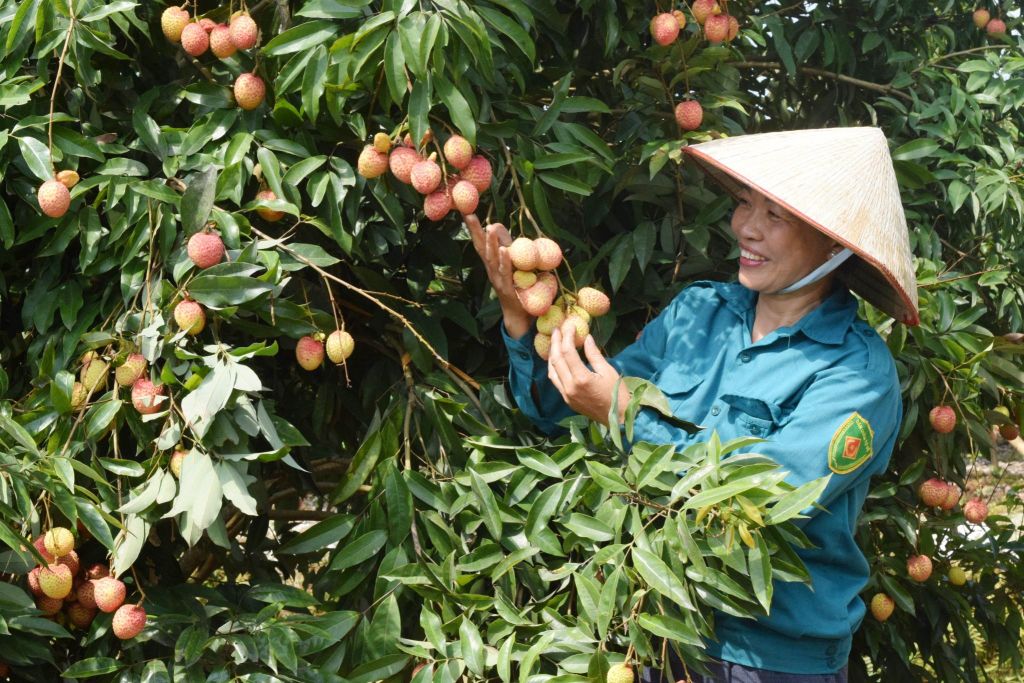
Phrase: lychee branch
[56,82]
[868,85]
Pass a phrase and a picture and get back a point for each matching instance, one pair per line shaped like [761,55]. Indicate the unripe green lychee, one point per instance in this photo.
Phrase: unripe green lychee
[340,346]
[59,542]
[542,343]
[619,673]
[206,249]
[54,198]
[195,39]
[523,253]
[882,606]
[78,396]
[243,31]
[94,372]
[172,22]
[957,576]
[919,567]
[145,397]
[67,178]
[575,324]
[249,91]
[552,318]
[131,370]
[371,162]
[109,593]
[55,580]
[128,622]
[382,142]
[190,316]
[177,458]
[458,151]
[310,353]
[524,278]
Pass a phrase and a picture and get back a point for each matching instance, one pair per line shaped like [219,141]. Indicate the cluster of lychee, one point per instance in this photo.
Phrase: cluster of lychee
[408,165]
[131,373]
[718,27]
[984,20]
[54,196]
[223,40]
[944,495]
[63,583]
[1008,430]
[537,287]
[310,350]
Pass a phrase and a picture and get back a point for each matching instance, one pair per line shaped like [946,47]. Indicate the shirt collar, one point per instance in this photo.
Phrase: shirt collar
[827,323]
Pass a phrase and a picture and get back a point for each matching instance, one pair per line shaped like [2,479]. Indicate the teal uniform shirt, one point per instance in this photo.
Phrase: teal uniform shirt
[824,392]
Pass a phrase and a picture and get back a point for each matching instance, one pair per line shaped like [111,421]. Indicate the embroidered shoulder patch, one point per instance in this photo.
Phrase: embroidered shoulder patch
[851,445]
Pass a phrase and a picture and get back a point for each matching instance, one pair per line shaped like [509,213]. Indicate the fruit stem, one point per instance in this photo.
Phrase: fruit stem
[138,586]
[56,82]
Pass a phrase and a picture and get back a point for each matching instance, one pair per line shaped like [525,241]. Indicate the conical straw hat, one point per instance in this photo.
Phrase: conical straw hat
[842,182]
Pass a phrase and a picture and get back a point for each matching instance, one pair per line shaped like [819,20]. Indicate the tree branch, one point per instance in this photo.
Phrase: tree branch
[868,85]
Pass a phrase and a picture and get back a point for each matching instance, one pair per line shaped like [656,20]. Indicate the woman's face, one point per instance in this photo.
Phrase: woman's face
[776,247]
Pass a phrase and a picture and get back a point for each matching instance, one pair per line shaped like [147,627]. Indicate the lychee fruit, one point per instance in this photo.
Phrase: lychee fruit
[542,343]
[943,419]
[94,372]
[144,397]
[549,281]
[953,494]
[458,151]
[54,198]
[594,302]
[33,583]
[427,137]
[716,28]
[932,493]
[536,300]
[524,278]
[78,396]
[995,27]
[49,605]
[619,673]
[205,249]
[243,31]
[919,567]
[70,560]
[195,39]
[128,622]
[524,253]
[97,571]
[310,353]
[734,28]
[177,458]
[465,197]
[437,205]
[55,580]
[1009,432]
[702,9]
[402,160]
[882,606]
[957,576]
[976,511]
[109,593]
[552,318]
[382,142]
[173,22]
[80,615]
[581,312]
[426,176]
[59,541]
[371,162]
[340,345]
[577,326]
[269,215]
[40,545]
[207,24]
[478,171]
[220,42]
[664,28]
[87,593]
[549,254]
[249,91]
[190,316]
[68,178]
[689,114]
[981,17]
[133,368]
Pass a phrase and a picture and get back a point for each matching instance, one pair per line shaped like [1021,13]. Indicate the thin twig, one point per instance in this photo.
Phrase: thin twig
[868,85]
[56,83]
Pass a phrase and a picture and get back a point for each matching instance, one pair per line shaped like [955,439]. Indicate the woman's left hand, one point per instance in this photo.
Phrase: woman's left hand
[588,392]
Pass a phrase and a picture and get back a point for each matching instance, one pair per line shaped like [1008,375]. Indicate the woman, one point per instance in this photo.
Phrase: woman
[781,355]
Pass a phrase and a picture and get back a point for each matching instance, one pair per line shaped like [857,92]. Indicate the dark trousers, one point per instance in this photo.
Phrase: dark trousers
[727,672]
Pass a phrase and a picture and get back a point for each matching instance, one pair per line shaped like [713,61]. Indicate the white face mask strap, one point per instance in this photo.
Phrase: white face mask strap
[819,272]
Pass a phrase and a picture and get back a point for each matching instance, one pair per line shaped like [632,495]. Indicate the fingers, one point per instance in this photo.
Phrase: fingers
[473,223]
[504,263]
[552,372]
[597,361]
[504,238]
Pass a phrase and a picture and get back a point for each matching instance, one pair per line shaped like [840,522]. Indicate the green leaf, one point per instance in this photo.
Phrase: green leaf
[589,527]
[915,149]
[319,536]
[459,109]
[607,478]
[472,646]
[19,434]
[282,593]
[654,465]
[197,202]
[378,669]
[35,153]
[488,505]
[94,666]
[760,565]
[359,550]
[661,577]
[302,37]
[313,83]
[564,182]
[228,290]
[557,160]
[793,502]
[394,67]
[669,627]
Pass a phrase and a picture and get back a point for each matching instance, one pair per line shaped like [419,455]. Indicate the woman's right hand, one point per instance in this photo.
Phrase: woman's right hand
[492,244]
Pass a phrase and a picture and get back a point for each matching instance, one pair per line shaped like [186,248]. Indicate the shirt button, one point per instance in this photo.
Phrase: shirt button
[832,662]
[831,650]
[716,410]
[745,357]
[754,429]
[524,355]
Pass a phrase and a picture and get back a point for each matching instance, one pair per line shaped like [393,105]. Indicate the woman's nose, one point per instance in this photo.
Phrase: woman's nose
[745,224]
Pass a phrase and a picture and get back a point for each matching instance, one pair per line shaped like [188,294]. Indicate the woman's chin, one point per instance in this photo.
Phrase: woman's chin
[750,280]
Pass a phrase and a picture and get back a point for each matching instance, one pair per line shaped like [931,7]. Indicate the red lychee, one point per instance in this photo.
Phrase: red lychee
[689,114]
[190,316]
[128,622]
[220,42]
[933,492]
[577,326]
[310,353]
[207,24]
[145,397]
[458,151]
[478,171]
[133,368]
[87,593]
[953,494]
[402,160]
[195,39]
[49,605]
[97,571]
[54,198]
[205,249]
[549,254]
[70,560]
[426,176]
[243,31]
[976,511]
[109,593]
[734,29]
[465,197]
[943,419]
[664,28]
[249,91]
[702,9]
[536,300]
[919,567]
[269,215]
[436,205]
[33,583]
[40,545]
[882,606]
[1009,432]
[996,27]
[80,615]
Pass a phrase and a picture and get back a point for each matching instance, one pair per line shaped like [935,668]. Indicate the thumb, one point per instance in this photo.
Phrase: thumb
[597,361]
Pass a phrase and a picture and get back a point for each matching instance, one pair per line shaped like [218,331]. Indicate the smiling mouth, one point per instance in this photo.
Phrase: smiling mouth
[751,256]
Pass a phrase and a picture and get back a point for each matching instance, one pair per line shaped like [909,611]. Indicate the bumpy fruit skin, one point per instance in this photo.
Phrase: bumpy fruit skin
[80,615]
[310,353]
[524,278]
[144,395]
[576,326]
[340,345]
[882,606]
[664,28]
[190,317]
[109,593]
[402,160]
[68,178]
[195,39]
[996,27]
[1009,432]
[981,17]
[957,576]
[128,622]
[932,493]
[942,419]
[382,142]
[523,253]
[205,249]
[436,205]
[426,176]
[87,593]
[70,560]
[94,372]
[243,31]
[131,371]
[478,171]
[33,583]
[207,24]
[59,541]
[689,114]
[976,511]
[550,281]
[554,317]
[78,396]
[734,29]
[249,91]
[49,605]
[594,302]
[458,151]
[620,673]
[176,459]
[269,215]
[55,581]
[371,162]
[542,343]
[40,545]
[220,42]
[54,198]
[97,571]
[919,567]
[536,300]
[702,9]
[581,312]
[716,28]
[549,254]
[173,22]
[465,197]
[953,494]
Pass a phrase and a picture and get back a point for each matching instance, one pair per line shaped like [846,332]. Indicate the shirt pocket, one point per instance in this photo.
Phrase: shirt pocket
[752,415]
[677,382]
